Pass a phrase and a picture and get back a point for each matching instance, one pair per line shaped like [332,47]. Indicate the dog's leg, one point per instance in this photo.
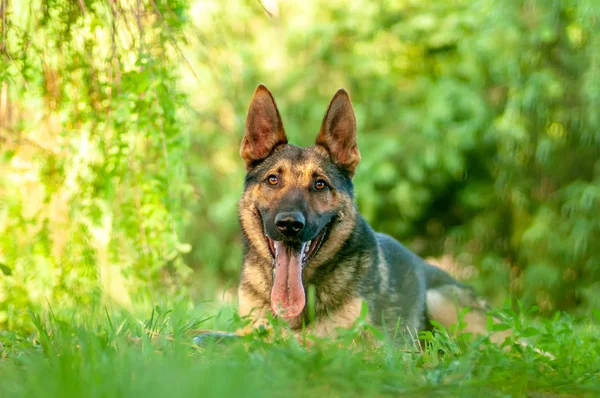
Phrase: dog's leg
[210,336]
[253,308]
[446,297]
[445,302]
[343,317]
[249,307]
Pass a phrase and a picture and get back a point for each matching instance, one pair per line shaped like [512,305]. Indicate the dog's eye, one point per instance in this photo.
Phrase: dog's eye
[273,180]
[320,185]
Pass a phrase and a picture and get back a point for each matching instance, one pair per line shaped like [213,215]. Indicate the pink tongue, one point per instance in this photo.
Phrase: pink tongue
[287,296]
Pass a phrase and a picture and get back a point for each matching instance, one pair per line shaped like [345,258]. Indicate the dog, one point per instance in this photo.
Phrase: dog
[302,230]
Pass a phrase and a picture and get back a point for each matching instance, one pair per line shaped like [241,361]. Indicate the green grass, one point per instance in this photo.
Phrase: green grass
[98,354]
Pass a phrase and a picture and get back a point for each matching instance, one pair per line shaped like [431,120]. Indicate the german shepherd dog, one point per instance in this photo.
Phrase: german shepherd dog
[301,227]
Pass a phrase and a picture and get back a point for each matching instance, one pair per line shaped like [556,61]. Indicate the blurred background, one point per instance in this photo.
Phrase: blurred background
[120,123]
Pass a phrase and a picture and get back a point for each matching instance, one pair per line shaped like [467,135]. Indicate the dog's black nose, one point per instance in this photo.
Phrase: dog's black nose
[290,223]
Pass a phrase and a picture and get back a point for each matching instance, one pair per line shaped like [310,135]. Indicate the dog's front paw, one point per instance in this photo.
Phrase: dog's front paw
[215,338]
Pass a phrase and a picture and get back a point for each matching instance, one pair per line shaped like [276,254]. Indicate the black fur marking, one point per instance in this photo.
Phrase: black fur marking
[356,252]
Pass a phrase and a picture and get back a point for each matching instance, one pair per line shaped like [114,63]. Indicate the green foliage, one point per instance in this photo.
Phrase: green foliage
[94,153]
[120,124]
[113,354]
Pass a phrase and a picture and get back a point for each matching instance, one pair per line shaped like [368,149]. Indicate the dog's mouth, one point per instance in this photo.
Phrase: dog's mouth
[289,259]
[308,249]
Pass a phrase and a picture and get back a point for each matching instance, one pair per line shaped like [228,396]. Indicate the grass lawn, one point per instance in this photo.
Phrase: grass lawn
[113,354]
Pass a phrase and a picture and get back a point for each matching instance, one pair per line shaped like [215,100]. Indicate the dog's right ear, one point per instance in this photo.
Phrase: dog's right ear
[264,129]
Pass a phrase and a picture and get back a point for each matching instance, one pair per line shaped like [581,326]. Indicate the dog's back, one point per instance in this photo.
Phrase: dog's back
[404,293]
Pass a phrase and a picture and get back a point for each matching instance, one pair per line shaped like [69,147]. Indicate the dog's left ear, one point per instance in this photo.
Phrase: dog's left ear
[338,132]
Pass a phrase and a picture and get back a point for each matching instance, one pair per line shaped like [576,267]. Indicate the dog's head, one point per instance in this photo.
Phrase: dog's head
[297,207]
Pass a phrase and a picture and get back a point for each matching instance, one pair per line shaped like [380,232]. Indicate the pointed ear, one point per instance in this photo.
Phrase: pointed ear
[264,129]
[338,132]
